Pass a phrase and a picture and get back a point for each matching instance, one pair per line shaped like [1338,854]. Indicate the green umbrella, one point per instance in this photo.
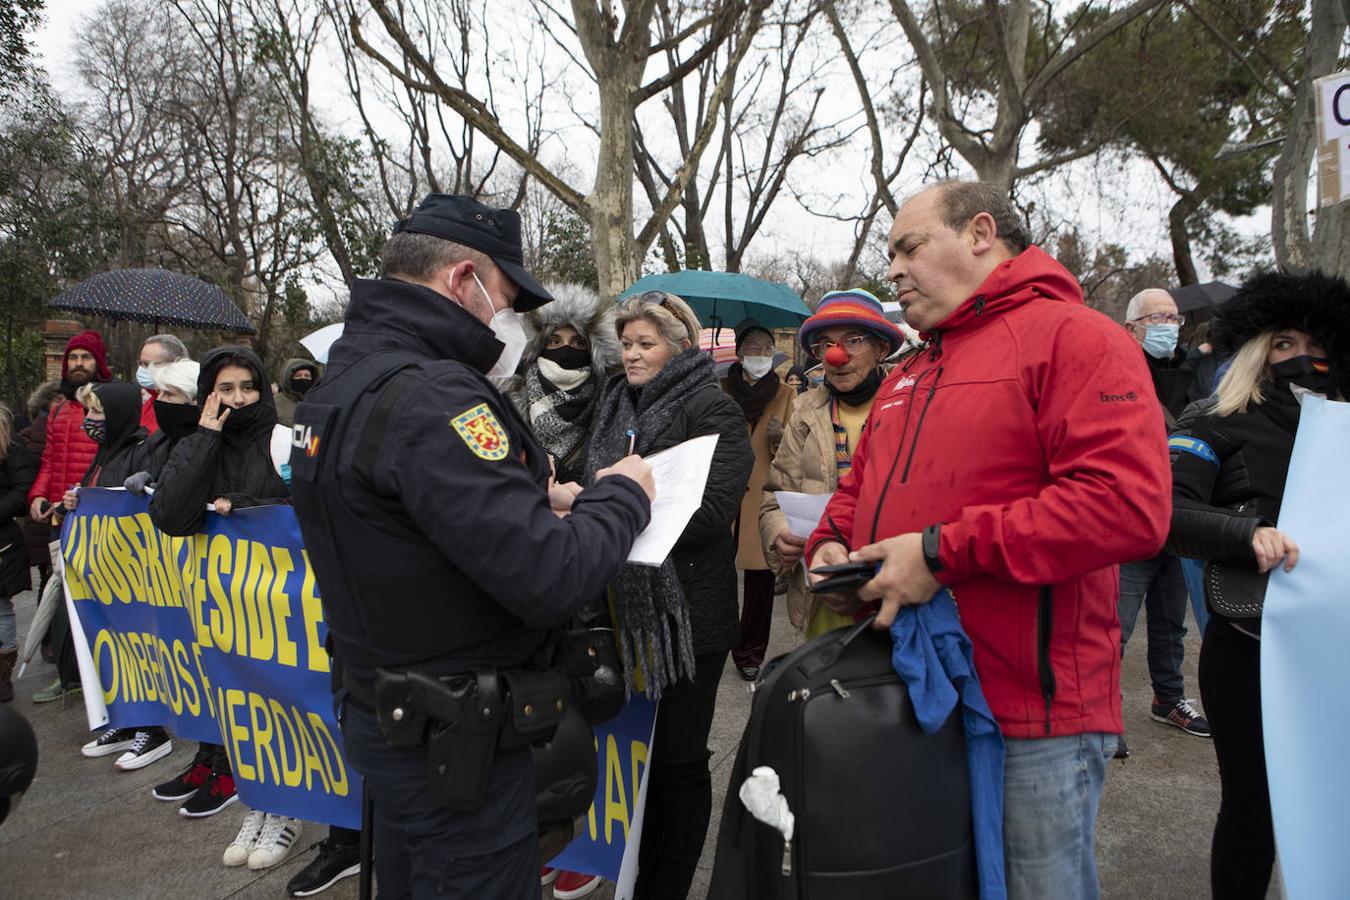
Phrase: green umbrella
[722,299]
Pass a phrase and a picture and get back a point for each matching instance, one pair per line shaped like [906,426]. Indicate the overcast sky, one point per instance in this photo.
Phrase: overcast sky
[1133,213]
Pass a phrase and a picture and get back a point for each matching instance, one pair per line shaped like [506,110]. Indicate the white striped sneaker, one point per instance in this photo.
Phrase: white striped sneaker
[279,834]
[237,853]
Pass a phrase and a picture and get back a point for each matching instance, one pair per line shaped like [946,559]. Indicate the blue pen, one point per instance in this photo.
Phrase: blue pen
[632,439]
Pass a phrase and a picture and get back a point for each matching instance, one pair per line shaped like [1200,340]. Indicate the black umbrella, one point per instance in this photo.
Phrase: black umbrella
[155,296]
[1199,301]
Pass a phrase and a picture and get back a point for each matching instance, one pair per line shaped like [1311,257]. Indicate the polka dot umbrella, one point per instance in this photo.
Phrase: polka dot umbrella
[157,296]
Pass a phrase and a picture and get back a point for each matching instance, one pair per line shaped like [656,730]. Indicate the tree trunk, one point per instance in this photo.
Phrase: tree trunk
[1294,250]
[610,202]
[1181,239]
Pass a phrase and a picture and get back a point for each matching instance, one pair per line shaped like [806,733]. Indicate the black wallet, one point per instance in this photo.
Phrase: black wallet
[844,577]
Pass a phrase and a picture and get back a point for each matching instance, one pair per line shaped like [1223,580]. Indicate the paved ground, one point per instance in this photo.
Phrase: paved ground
[86,830]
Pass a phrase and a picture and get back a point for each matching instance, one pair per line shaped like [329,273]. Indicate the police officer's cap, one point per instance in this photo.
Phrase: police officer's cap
[496,232]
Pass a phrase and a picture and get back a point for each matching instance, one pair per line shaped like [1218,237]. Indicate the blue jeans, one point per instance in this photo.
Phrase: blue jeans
[1051,790]
[9,628]
[1157,585]
[1194,571]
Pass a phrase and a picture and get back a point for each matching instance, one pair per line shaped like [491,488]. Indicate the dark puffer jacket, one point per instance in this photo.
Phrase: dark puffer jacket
[18,468]
[705,555]
[235,463]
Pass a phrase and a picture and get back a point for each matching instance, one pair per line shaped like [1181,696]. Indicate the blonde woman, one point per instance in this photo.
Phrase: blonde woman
[1229,462]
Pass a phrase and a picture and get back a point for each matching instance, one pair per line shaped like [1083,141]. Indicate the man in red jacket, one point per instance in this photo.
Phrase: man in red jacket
[1018,460]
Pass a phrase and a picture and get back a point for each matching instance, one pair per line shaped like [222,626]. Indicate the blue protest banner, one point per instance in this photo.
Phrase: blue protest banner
[608,844]
[1305,669]
[218,636]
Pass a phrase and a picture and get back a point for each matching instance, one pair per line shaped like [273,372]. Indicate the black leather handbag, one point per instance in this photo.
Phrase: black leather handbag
[1235,591]
[882,810]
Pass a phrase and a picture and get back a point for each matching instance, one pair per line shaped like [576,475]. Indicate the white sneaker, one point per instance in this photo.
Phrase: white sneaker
[145,749]
[237,853]
[114,740]
[279,834]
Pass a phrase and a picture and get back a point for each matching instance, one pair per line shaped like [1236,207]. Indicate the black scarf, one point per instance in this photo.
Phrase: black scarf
[864,391]
[753,398]
[652,614]
[558,417]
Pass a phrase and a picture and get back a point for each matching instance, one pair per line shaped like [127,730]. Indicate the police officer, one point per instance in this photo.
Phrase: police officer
[442,554]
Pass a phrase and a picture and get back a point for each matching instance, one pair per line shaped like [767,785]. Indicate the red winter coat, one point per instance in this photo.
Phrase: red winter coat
[67,455]
[1032,434]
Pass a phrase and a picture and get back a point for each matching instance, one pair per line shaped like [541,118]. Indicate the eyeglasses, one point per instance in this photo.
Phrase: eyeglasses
[1162,319]
[658,298]
[852,344]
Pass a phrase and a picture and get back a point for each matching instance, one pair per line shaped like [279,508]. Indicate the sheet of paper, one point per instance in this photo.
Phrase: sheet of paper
[1305,670]
[803,511]
[681,474]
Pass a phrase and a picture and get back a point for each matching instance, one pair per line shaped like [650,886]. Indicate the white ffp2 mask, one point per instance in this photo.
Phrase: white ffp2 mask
[507,328]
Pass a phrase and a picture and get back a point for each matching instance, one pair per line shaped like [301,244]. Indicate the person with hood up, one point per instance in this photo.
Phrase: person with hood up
[227,464]
[68,450]
[1230,456]
[112,421]
[1018,460]
[851,336]
[18,468]
[766,403]
[564,366]
[175,410]
[297,377]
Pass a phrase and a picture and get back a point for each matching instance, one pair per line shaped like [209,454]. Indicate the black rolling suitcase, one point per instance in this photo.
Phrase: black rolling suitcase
[882,810]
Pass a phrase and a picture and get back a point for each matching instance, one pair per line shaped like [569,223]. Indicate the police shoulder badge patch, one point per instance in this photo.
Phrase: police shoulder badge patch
[482,433]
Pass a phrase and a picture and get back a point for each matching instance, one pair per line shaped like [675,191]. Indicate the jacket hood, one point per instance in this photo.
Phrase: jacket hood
[217,359]
[292,366]
[390,314]
[583,309]
[1029,275]
[122,405]
[1314,303]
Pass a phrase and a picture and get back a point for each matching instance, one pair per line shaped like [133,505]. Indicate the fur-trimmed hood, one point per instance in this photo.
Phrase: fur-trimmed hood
[587,312]
[1314,303]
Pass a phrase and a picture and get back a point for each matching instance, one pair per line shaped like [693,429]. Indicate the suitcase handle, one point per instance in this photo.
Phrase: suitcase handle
[831,653]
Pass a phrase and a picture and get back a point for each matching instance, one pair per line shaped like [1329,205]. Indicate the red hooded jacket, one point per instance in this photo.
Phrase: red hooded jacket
[66,457]
[1030,431]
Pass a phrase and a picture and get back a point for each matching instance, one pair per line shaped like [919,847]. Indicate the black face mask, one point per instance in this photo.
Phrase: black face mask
[864,391]
[301,386]
[243,418]
[177,420]
[568,357]
[1310,372]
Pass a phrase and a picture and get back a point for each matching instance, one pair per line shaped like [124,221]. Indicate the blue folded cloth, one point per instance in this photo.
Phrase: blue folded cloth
[933,657]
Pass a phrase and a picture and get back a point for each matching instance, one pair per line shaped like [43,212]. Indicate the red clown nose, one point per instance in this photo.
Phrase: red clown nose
[836,356]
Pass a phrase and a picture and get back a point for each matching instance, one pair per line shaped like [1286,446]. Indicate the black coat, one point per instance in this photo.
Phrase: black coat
[1228,475]
[18,470]
[232,463]
[705,555]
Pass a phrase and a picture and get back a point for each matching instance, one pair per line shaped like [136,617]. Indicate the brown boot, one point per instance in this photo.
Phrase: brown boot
[7,660]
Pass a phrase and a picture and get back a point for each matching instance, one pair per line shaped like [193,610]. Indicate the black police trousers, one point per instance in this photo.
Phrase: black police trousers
[425,852]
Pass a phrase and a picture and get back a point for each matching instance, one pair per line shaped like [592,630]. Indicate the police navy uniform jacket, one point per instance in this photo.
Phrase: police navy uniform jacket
[468,475]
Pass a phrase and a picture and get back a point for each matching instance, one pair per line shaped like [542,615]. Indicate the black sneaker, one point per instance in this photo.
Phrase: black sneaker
[150,745]
[193,777]
[114,740]
[335,862]
[1181,715]
[213,796]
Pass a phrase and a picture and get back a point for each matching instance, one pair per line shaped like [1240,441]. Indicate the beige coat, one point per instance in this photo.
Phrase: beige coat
[804,463]
[749,552]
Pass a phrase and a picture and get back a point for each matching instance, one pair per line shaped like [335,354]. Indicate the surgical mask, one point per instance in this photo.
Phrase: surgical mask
[1160,341]
[757,366]
[1310,372]
[97,429]
[507,328]
[144,378]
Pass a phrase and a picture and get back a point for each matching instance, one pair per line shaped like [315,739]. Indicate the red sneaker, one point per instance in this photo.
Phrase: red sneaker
[571,885]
